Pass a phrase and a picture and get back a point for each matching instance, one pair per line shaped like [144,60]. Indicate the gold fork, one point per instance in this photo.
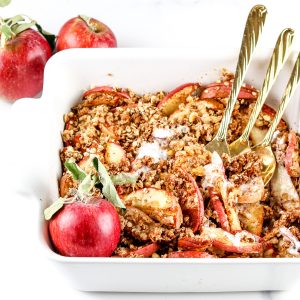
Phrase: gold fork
[264,149]
[252,32]
[279,56]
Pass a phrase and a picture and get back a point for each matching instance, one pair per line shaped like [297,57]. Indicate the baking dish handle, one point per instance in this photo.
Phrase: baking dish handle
[26,125]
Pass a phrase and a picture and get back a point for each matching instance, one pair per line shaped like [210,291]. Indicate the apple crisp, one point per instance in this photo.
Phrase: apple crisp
[182,200]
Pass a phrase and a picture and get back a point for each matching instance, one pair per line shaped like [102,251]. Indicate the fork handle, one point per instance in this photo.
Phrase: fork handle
[280,54]
[252,32]
[288,93]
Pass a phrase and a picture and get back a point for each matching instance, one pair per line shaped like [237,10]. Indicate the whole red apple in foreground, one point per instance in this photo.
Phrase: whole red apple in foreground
[83,230]
[85,32]
[22,61]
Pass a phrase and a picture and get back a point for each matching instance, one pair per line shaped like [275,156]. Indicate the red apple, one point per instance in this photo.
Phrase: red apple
[22,61]
[83,230]
[85,32]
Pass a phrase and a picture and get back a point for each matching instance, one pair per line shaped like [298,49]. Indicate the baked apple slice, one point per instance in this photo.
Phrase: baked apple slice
[192,204]
[283,189]
[102,95]
[196,243]
[251,191]
[105,129]
[252,218]
[291,160]
[66,183]
[238,242]
[257,134]
[144,251]
[222,90]
[219,209]
[158,204]
[190,254]
[114,154]
[172,100]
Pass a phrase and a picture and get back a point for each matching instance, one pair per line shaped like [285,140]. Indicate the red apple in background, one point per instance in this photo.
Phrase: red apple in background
[22,61]
[85,32]
[84,230]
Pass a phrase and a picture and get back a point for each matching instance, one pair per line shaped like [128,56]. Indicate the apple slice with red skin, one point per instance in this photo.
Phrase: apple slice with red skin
[194,208]
[220,210]
[158,204]
[222,90]
[257,134]
[190,254]
[269,111]
[114,154]
[172,100]
[196,243]
[102,95]
[226,241]
[291,160]
[144,251]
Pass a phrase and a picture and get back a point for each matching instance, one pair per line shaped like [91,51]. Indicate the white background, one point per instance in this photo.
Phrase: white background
[25,272]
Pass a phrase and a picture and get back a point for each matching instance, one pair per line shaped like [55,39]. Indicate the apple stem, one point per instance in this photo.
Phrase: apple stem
[90,24]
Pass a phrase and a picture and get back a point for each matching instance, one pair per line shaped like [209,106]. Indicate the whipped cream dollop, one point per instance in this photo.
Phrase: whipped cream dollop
[213,171]
[295,244]
[162,133]
[152,150]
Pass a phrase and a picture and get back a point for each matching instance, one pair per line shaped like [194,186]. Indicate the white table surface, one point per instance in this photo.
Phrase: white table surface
[25,272]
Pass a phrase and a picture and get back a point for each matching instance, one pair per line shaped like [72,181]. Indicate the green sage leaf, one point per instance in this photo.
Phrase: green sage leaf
[51,38]
[53,208]
[77,172]
[18,28]
[6,32]
[85,186]
[14,20]
[124,178]
[109,191]
[4,3]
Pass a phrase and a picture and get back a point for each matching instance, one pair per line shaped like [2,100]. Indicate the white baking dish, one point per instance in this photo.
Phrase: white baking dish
[39,124]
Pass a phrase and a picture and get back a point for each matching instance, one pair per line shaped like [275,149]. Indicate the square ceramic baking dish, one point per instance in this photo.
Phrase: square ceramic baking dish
[39,124]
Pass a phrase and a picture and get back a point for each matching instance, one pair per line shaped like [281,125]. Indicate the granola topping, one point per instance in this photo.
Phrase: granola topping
[181,198]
